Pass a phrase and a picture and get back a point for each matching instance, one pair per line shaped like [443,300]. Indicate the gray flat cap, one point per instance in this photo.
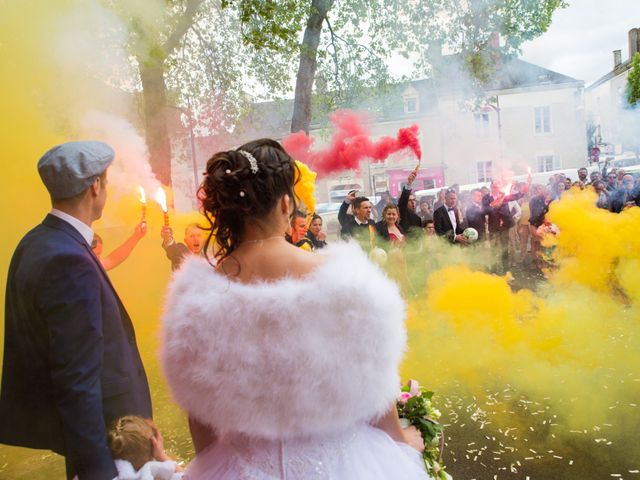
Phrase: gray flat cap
[70,168]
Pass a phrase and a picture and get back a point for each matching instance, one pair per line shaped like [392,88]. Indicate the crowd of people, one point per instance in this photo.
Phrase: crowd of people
[510,219]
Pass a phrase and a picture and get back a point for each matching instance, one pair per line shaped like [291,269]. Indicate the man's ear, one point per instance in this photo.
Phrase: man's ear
[95,187]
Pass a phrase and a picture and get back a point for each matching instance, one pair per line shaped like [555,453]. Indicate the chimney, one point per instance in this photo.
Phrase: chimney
[634,42]
[617,58]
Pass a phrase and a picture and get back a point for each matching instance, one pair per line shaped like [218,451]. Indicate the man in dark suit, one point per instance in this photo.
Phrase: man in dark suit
[447,220]
[177,252]
[477,214]
[71,364]
[410,221]
[358,225]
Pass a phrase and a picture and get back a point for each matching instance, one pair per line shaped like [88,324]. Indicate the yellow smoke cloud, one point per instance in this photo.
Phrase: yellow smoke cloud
[305,187]
[570,347]
[57,63]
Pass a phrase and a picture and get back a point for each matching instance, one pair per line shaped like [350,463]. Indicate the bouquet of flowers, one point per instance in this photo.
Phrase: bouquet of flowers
[415,408]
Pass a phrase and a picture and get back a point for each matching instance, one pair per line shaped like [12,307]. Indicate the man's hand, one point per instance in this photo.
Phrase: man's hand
[411,178]
[461,239]
[140,230]
[351,196]
[497,202]
[413,438]
[167,235]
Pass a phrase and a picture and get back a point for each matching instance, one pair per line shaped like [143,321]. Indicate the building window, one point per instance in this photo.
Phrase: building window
[484,171]
[547,163]
[542,119]
[410,104]
[481,121]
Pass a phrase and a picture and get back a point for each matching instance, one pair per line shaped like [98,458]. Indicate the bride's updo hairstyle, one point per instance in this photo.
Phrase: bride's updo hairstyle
[238,190]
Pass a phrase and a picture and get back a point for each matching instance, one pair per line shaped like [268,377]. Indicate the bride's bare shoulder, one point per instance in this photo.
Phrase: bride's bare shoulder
[272,264]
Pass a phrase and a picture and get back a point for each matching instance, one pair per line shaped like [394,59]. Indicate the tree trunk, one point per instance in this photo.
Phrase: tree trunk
[155,111]
[151,58]
[308,63]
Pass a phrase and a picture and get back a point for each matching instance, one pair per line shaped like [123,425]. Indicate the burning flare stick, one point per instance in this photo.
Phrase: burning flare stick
[161,198]
[143,201]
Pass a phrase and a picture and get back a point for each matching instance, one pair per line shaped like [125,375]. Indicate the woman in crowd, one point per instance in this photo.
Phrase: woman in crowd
[316,235]
[388,228]
[272,392]
[559,189]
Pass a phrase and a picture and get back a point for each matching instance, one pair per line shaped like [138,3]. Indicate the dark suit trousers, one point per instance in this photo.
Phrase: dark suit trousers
[500,248]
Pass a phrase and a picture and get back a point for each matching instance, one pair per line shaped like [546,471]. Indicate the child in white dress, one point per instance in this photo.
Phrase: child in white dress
[138,450]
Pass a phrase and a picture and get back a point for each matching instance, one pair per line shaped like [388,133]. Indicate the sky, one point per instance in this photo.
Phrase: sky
[583,36]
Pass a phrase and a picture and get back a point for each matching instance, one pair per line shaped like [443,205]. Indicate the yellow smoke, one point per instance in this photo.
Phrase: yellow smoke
[57,60]
[305,187]
[570,346]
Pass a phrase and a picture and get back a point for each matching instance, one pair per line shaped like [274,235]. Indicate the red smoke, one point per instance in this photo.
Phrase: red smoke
[350,143]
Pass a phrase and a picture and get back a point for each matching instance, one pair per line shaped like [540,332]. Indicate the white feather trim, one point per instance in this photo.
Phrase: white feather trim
[287,358]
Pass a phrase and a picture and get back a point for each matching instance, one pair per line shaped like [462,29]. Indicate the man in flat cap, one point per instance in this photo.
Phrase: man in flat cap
[71,364]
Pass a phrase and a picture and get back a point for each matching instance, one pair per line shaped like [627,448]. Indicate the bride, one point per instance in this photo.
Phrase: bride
[285,361]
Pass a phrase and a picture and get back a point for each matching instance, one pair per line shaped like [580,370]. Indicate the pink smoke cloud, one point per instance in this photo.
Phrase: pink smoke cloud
[350,143]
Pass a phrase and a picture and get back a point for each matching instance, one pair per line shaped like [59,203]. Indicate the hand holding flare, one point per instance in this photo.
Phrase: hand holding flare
[143,201]
[161,198]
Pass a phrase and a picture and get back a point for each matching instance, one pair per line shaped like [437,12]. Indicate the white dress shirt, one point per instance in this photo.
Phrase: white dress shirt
[452,217]
[81,227]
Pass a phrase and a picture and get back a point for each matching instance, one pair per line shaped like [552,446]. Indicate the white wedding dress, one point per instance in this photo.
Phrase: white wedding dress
[290,373]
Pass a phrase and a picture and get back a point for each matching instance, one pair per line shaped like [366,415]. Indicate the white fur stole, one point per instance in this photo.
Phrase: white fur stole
[293,357]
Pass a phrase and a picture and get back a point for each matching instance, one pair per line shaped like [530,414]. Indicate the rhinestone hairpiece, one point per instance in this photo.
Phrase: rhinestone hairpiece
[253,163]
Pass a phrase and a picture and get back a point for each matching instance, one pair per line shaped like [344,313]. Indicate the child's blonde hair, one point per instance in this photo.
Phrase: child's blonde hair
[130,439]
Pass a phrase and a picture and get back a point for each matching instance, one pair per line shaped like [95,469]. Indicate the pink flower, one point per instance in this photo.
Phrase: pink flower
[404,396]
[414,388]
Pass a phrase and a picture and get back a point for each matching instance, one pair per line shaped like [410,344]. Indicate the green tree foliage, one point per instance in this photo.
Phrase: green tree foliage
[633,82]
[214,57]
[360,36]
[203,58]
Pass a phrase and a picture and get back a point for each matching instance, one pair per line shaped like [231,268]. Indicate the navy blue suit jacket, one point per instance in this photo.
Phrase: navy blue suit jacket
[71,364]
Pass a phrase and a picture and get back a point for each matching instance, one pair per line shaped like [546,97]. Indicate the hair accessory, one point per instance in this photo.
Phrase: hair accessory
[253,163]
[241,193]
[227,171]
